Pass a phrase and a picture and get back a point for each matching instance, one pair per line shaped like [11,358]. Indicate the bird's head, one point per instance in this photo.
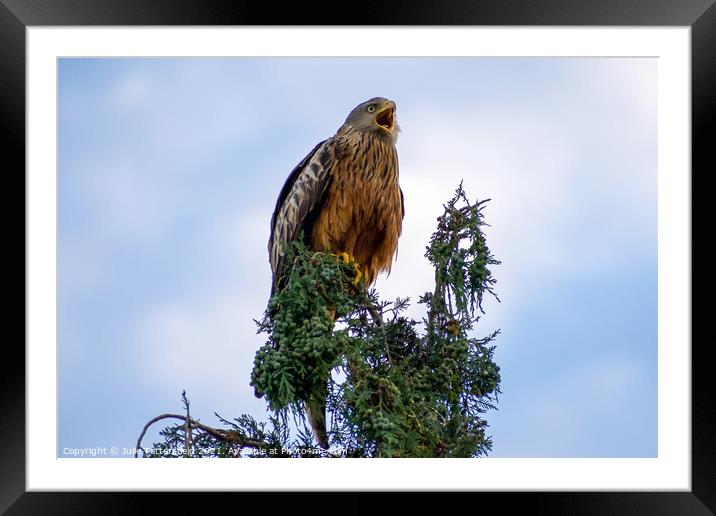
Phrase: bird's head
[376,115]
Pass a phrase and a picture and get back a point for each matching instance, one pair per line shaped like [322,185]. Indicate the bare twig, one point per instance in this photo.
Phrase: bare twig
[187,426]
[227,436]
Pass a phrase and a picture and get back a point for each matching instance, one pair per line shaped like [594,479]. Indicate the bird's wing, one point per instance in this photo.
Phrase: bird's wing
[300,198]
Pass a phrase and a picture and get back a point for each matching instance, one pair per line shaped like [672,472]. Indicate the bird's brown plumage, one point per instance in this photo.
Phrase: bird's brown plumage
[344,197]
[362,214]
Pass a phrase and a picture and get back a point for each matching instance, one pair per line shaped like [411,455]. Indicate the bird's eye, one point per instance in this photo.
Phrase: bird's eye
[371,109]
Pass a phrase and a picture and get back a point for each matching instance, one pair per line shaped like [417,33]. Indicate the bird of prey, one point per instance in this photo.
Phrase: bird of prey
[344,197]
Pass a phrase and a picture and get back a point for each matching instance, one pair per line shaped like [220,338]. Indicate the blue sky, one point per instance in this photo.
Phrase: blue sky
[168,174]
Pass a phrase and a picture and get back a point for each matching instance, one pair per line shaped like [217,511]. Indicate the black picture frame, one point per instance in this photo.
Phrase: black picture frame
[700,15]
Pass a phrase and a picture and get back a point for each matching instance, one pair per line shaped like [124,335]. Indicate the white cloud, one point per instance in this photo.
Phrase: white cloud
[241,238]
[133,91]
[529,192]
[205,343]
[126,201]
[204,340]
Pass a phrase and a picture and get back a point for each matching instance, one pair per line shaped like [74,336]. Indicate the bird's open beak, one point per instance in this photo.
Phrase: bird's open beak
[386,118]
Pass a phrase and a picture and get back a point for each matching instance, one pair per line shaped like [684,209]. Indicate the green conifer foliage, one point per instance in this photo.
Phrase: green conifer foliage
[394,386]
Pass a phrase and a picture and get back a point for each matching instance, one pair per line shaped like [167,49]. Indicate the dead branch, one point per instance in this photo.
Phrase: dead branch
[227,436]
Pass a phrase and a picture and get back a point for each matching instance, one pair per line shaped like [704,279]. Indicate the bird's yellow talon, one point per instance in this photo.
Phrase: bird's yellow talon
[343,256]
[347,258]
[359,274]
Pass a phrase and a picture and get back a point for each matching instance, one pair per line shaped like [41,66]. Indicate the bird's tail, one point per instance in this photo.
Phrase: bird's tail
[316,414]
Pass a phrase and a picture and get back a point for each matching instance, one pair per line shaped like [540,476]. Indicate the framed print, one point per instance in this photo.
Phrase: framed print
[156,144]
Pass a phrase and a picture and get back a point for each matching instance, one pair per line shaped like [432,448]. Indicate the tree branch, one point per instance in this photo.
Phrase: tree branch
[227,436]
